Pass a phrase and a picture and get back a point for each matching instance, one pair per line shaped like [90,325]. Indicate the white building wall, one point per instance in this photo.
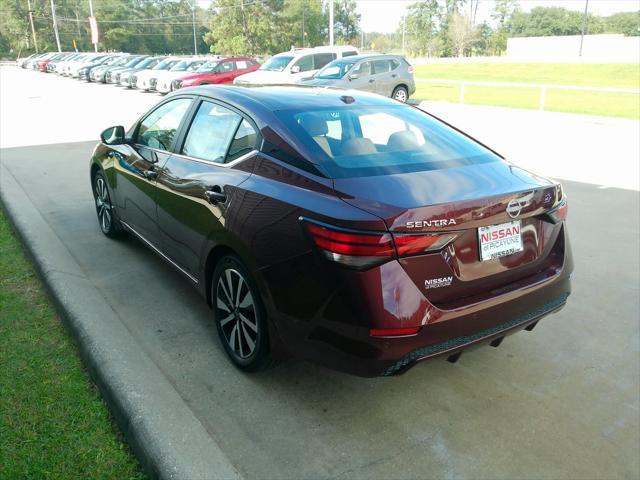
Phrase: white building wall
[607,47]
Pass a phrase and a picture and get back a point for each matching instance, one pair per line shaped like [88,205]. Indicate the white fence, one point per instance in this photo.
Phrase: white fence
[541,87]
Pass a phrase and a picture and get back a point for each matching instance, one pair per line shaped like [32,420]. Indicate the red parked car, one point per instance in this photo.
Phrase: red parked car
[222,70]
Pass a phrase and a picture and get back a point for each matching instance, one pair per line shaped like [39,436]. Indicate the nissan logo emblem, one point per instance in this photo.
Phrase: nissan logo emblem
[515,207]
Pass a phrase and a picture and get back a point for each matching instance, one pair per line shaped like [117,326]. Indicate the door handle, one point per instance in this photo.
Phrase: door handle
[215,195]
[371,81]
[151,174]
[394,75]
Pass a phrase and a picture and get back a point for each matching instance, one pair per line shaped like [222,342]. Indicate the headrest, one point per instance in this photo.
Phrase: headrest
[314,125]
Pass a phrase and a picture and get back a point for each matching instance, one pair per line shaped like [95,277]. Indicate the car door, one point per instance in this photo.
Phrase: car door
[197,184]
[225,71]
[381,77]
[361,78]
[137,166]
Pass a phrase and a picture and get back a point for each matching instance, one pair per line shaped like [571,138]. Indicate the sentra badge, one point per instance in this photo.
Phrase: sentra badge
[441,222]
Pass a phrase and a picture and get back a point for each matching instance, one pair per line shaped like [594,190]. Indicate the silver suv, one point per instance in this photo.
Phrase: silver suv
[388,75]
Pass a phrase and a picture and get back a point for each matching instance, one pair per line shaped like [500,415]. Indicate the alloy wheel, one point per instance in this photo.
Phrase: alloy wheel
[401,95]
[236,312]
[103,205]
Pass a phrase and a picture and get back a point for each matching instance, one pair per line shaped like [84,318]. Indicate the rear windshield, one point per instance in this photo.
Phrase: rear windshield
[357,141]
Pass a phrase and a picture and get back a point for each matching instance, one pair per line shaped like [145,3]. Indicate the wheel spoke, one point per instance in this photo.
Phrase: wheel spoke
[248,322]
[232,338]
[250,343]
[226,320]
[238,327]
[240,282]
[222,305]
[224,289]
[247,301]
[229,286]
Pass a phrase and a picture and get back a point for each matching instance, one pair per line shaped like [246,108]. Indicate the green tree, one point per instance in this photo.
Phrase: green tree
[503,10]
[546,21]
[346,22]
[422,27]
[627,23]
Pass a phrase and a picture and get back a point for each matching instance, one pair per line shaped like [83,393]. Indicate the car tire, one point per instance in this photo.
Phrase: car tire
[400,94]
[240,316]
[107,220]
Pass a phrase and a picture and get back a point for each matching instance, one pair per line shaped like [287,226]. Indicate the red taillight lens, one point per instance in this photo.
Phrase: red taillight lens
[365,249]
[418,244]
[393,332]
[410,69]
[559,214]
[355,249]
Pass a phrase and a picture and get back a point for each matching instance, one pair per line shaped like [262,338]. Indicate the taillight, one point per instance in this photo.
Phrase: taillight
[408,245]
[351,248]
[559,214]
[361,250]
[410,68]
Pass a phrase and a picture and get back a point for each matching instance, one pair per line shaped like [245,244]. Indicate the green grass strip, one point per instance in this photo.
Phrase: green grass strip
[53,423]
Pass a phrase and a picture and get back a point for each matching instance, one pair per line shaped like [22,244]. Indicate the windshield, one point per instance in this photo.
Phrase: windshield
[147,62]
[181,66]
[335,70]
[208,66]
[166,64]
[277,63]
[195,66]
[362,141]
[133,62]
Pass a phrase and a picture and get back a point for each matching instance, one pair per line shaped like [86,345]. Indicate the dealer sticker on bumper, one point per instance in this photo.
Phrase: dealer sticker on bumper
[500,240]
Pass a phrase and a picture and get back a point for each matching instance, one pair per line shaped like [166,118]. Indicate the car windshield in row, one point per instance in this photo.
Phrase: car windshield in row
[382,140]
[335,70]
[277,63]
[166,64]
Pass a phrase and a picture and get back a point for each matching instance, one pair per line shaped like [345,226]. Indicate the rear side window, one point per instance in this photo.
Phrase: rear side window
[244,141]
[219,135]
[394,64]
[380,66]
[305,63]
[159,128]
[321,59]
[360,141]
[240,64]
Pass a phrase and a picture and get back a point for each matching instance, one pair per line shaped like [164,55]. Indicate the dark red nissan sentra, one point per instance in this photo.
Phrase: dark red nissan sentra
[336,226]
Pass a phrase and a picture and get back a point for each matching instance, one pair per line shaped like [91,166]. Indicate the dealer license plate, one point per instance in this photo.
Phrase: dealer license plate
[500,240]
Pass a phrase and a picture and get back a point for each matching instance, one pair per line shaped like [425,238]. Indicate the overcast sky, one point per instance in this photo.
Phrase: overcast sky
[384,15]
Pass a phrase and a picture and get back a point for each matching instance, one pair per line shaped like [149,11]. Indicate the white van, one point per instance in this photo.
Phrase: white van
[294,65]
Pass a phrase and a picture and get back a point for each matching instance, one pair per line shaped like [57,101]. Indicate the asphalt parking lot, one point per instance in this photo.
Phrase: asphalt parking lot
[562,401]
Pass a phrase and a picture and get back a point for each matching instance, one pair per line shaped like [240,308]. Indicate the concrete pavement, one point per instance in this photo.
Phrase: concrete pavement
[558,402]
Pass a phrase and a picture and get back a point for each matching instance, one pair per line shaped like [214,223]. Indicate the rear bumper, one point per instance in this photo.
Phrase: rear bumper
[327,319]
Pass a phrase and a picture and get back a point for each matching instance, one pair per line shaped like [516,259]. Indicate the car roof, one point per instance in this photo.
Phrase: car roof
[368,56]
[299,52]
[284,97]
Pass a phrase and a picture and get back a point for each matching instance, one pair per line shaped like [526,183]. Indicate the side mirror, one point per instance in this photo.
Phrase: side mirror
[354,76]
[295,69]
[113,136]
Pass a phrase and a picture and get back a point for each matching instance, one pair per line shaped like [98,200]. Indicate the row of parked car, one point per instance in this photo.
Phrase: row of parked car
[343,67]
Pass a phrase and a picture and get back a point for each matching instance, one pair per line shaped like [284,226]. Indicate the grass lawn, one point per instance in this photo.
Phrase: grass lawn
[53,423]
[588,75]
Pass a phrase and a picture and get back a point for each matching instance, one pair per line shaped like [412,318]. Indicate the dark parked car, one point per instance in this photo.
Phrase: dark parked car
[335,225]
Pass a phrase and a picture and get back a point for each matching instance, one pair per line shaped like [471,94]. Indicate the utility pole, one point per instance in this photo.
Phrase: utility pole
[331,22]
[195,43]
[33,30]
[95,45]
[584,26]
[55,25]
[404,25]
[304,5]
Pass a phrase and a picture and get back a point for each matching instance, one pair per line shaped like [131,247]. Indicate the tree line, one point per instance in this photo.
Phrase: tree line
[262,27]
[447,28]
